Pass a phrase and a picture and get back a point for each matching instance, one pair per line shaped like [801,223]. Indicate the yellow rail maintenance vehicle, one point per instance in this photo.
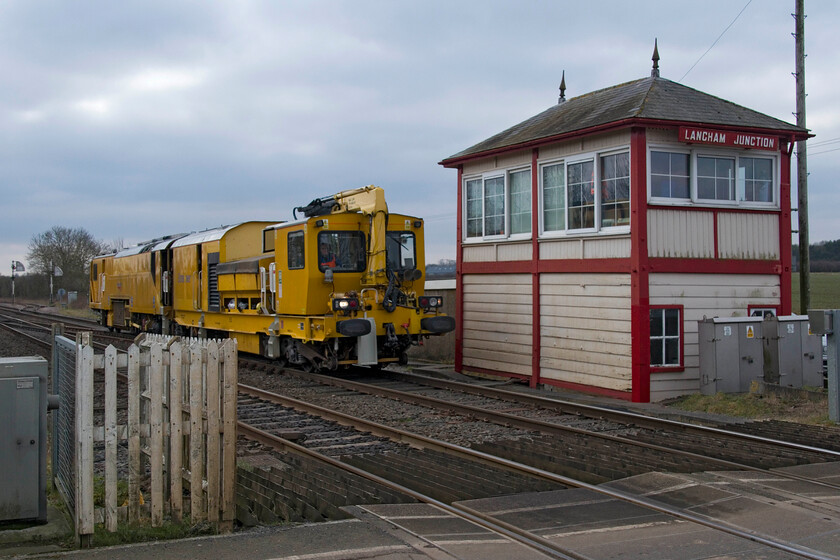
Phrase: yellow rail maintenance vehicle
[341,285]
[131,288]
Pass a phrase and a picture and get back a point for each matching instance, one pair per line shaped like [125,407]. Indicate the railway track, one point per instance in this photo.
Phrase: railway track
[511,444]
[37,328]
[700,446]
[356,445]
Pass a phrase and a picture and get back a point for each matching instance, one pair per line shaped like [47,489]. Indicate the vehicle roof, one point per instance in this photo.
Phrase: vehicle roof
[151,245]
[204,236]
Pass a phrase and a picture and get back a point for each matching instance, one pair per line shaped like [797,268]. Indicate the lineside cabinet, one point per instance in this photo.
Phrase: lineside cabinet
[23,438]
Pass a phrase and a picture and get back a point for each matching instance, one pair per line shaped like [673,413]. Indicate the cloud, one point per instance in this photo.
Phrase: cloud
[162,80]
[134,119]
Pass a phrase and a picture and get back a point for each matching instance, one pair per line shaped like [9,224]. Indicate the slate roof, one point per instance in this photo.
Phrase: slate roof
[647,99]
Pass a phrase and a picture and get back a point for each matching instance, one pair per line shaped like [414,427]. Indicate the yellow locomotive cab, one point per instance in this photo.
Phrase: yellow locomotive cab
[341,285]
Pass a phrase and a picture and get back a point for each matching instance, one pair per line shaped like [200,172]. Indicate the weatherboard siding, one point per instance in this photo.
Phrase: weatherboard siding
[681,234]
[498,315]
[704,295]
[585,329]
[501,162]
[748,235]
[586,248]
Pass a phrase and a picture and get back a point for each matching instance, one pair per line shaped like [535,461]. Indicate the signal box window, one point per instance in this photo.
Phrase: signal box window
[494,206]
[554,197]
[581,194]
[669,175]
[665,337]
[520,202]
[715,178]
[400,251]
[342,251]
[615,190]
[295,252]
[757,176]
[475,209]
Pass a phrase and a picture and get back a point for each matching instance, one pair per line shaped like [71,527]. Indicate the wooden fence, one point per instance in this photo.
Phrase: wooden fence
[180,426]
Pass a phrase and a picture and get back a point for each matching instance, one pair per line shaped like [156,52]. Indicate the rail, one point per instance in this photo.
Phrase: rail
[413,439]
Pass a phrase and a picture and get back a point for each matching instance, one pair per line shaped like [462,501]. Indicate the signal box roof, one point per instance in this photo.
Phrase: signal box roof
[649,101]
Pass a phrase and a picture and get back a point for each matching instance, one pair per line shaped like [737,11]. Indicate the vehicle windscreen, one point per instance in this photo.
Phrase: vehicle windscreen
[342,251]
[401,251]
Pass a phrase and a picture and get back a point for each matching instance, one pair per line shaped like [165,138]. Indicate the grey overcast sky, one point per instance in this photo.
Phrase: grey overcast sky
[137,119]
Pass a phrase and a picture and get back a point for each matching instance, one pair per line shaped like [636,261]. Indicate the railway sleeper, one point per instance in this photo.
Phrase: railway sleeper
[434,479]
[468,473]
[815,436]
[459,473]
[557,462]
[357,489]
[380,465]
[265,501]
[757,455]
[306,491]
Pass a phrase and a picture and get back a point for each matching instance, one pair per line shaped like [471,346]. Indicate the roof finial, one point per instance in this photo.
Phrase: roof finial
[654,73]
[562,89]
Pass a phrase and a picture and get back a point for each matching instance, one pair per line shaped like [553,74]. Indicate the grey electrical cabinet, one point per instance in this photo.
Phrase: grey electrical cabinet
[735,351]
[800,353]
[731,354]
[23,438]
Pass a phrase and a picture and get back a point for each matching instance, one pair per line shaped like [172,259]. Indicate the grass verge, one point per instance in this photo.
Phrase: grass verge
[758,407]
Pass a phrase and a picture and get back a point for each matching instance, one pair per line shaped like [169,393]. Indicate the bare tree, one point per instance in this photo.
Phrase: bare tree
[70,249]
[114,246]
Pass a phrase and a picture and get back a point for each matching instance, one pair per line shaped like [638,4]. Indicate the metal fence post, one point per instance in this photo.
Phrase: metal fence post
[833,360]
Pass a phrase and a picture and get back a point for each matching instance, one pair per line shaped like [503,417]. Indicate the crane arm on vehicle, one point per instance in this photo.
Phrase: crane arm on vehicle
[369,200]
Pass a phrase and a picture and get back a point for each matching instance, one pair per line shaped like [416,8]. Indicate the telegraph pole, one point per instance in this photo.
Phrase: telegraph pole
[802,164]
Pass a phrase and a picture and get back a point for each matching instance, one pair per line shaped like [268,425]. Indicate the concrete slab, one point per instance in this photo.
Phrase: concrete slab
[653,482]
[827,472]
[669,539]
[446,533]
[351,540]
[16,539]
[563,510]
[779,521]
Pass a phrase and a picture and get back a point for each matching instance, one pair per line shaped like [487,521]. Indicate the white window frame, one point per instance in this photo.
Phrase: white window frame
[596,171]
[668,199]
[484,177]
[541,203]
[509,202]
[740,194]
[505,228]
[665,337]
[598,188]
[726,155]
[595,158]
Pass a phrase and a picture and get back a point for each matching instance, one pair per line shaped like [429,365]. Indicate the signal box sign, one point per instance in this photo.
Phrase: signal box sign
[695,135]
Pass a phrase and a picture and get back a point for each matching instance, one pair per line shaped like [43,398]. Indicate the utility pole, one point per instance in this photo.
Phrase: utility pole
[802,164]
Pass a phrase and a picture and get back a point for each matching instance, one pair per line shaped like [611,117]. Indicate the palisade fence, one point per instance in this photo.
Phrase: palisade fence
[173,445]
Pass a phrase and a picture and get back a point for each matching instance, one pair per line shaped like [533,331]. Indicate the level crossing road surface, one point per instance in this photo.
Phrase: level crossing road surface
[592,525]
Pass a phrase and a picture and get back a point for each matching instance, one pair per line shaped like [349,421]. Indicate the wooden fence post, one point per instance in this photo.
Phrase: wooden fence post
[134,473]
[197,510]
[111,439]
[176,441]
[213,425]
[229,452]
[156,433]
[84,439]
